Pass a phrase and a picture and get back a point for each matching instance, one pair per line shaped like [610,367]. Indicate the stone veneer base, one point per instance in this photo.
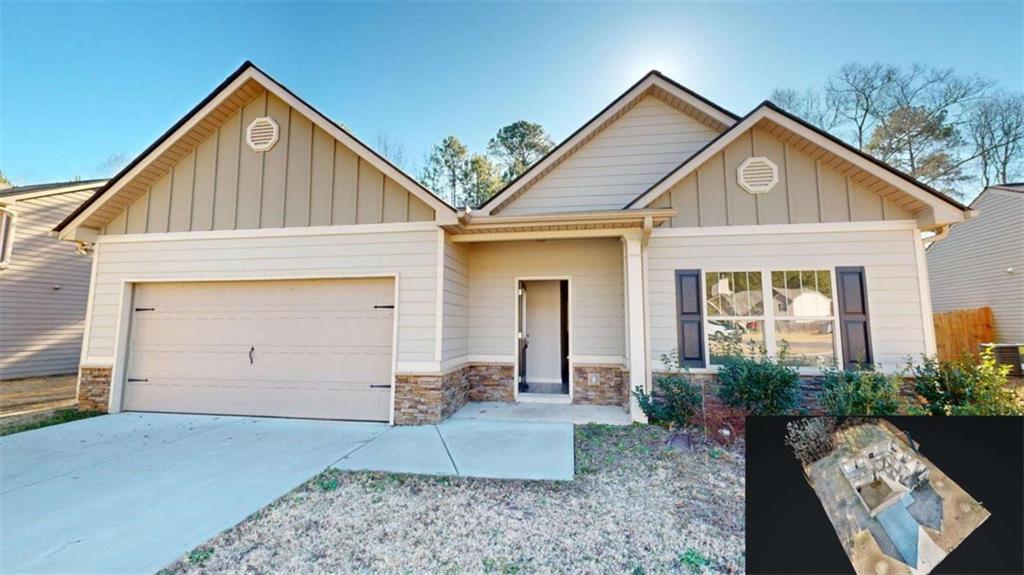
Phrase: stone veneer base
[611,388]
[430,398]
[94,388]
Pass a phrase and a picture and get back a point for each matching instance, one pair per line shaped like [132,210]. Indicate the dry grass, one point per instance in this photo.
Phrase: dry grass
[634,507]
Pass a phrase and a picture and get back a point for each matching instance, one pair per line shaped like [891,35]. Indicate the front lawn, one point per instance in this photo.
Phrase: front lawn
[19,423]
[634,507]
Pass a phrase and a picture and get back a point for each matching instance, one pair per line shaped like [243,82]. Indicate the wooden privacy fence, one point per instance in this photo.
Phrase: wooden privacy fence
[963,330]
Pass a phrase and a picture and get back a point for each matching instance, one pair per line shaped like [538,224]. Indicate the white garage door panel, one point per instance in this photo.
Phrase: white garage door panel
[317,348]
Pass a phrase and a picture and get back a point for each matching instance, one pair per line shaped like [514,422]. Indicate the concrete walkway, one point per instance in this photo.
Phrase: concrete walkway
[132,492]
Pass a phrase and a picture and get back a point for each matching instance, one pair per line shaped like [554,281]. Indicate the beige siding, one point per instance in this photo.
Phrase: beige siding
[808,191]
[597,305]
[412,254]
[40,326]
[897,324]
[969,268]
[620,163]
[306,179]
[456,302]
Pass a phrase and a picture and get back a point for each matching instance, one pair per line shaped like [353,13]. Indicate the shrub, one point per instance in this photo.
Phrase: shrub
[967,386]
[811,438]
[677,399]
[757,382]
[847,392]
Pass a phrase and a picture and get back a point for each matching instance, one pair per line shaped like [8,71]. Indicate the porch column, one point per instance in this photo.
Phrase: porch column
[636,347]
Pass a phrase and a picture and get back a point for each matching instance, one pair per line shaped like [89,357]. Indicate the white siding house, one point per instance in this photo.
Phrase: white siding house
[43,282]
[664,223]
[981,262]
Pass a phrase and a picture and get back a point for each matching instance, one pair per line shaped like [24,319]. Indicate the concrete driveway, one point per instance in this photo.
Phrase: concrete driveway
[132,492]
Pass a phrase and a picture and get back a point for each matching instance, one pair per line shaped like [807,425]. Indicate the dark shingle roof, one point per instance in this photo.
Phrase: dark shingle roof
[18,190]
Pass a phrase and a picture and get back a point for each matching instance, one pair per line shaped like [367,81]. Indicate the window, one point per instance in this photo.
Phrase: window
[800,317]
[6,236]
[735,313]
[804,316]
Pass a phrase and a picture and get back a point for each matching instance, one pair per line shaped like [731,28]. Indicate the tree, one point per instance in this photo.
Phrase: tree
[482,180]
[996,132]
[391,149]
[943,128]
[4,182]
[518,145]
[112,165]
[445,171]
[809,105]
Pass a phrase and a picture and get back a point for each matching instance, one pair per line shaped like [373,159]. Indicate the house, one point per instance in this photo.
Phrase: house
[259,259]
[981,262]
[43,282]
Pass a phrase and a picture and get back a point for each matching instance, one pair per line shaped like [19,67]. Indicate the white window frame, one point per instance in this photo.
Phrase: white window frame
[7,225]
[768,316]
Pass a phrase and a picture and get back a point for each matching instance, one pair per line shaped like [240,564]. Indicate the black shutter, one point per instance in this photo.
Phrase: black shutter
[690,312]
[853,317]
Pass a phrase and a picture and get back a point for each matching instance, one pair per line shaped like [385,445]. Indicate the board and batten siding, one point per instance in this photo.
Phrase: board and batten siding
[969,268]
[455,338]
[40,324]
[888,257]
[411,254]
[307,179]
[619,163]
[808,191]
[594,268]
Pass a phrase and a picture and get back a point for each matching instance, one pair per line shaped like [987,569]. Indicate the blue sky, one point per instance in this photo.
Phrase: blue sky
[81,82]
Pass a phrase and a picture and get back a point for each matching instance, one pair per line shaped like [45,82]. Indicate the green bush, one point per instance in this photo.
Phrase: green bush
[847,392]
[758,383]
[968,386]
[677,400]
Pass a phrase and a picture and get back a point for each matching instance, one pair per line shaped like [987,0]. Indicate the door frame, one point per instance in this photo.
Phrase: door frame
[122,336]
[515,337]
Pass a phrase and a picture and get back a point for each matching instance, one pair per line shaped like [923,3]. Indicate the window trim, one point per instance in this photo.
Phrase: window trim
[8,223]
[768,314]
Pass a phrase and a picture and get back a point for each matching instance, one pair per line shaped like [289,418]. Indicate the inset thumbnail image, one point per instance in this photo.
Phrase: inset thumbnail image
[894,511]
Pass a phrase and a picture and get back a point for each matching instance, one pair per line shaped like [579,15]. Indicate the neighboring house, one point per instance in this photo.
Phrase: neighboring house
[44,284]
[258,259]
[981,262]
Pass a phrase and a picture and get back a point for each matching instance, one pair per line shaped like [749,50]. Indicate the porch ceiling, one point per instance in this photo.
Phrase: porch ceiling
[472,227]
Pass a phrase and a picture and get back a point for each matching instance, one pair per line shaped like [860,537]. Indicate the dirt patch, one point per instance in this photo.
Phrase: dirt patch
[634,507]
[37,393]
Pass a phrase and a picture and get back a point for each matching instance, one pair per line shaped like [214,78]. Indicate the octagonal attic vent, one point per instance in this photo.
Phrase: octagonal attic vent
[262,134]
[757,175]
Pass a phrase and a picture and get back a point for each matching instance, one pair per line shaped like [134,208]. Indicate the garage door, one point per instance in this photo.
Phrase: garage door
[310,348]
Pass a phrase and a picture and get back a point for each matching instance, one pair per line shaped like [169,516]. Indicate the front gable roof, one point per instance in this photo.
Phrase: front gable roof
[931,207]
[246,82]
[653,84]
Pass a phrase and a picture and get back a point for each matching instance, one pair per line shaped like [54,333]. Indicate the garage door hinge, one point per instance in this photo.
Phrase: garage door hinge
[145,309]
[383,307]
[134,379]
[380,386]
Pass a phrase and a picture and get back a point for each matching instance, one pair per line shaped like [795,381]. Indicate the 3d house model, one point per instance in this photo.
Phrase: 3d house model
[894,511]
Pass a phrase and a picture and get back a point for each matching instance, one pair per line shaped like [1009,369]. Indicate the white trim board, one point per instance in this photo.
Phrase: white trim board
[353,229]
[760,229]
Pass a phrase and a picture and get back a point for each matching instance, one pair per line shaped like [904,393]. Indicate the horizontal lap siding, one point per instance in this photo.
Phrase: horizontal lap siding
[968,268]
[621,162]
[412,254]
[41,327]
[897,324]
[595,271]
[455,342]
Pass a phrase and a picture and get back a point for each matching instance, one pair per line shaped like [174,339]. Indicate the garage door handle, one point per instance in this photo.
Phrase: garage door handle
[251,351]
[380,386]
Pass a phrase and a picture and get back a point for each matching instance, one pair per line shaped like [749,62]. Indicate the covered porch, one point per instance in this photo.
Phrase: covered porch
[549,309]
